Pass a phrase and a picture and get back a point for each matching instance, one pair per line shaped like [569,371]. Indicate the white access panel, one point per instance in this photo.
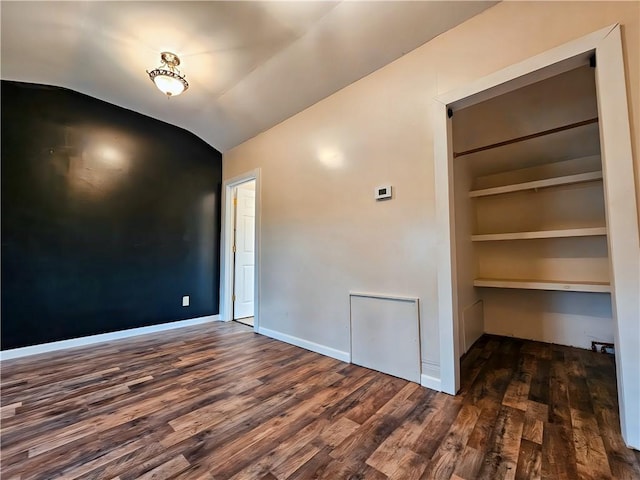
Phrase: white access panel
[385,334]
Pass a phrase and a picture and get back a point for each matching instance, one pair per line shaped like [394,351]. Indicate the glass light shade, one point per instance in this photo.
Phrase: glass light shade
[169,85]
[167,77]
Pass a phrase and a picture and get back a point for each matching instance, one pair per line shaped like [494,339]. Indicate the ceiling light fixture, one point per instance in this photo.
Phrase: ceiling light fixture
[167,77]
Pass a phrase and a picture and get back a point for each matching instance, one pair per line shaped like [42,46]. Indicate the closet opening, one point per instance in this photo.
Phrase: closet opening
[536,201]
[531,232]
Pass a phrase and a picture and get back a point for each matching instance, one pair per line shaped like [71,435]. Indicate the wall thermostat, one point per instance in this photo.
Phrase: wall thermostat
[383,192]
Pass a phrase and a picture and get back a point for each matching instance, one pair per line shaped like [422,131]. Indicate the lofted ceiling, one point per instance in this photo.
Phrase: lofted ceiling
[250,64]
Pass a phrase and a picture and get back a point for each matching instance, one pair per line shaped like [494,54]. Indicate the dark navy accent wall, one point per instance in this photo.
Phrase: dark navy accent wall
[109,217]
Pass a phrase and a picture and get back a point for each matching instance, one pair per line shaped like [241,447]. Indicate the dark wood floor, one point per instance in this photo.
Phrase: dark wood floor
[219,402]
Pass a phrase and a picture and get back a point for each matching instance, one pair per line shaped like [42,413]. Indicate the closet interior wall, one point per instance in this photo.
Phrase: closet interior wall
[531,234]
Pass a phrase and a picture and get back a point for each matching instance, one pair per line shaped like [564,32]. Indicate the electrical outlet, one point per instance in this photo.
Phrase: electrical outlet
[185,301]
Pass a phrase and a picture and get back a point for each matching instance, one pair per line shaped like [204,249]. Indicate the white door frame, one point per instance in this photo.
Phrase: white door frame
[620,202]
[226,248]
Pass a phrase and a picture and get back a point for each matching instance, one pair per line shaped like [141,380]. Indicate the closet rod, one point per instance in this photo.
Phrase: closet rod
[526,137]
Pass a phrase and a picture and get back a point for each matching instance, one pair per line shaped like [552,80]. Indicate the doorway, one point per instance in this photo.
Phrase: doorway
[244,203]
[240,250]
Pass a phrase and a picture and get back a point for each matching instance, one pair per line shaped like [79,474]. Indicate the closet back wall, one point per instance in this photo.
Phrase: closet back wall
[109,217]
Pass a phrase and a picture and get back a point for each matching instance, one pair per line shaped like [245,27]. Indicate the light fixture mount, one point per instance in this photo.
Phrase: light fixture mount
[167,77]
[170,59]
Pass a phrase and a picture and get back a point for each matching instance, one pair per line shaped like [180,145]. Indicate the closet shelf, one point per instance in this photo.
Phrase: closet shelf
[572,232]
[549,182]
[570,286]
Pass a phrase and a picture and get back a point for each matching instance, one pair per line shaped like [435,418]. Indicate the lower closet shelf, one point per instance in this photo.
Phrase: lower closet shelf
[566,286]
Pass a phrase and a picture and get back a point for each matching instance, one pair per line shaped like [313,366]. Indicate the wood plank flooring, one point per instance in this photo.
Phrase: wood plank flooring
[220,402]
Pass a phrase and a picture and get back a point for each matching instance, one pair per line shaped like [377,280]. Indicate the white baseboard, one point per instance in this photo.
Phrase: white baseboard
[430,382]
[306,344]
[102,337]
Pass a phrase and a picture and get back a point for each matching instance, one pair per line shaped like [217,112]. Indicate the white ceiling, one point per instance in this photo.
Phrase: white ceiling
[250,65]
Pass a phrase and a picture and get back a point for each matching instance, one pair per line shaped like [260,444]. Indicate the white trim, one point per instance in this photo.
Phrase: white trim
[622,221]
[534,69]
[307,345]
[446,259]
[226,248]
[431,376]
[620,205]
[102,337]
[430,382]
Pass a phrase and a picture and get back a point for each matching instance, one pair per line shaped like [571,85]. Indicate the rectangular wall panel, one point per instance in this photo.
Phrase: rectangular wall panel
[385,334]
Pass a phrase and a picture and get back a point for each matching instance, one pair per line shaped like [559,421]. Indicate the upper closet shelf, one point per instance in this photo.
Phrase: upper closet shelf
[571,232]
[548,182]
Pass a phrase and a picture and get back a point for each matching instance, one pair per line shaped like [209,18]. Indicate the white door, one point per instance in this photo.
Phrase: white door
[244,250]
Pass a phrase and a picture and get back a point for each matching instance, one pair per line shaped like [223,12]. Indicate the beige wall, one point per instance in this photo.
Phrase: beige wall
[322,232]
